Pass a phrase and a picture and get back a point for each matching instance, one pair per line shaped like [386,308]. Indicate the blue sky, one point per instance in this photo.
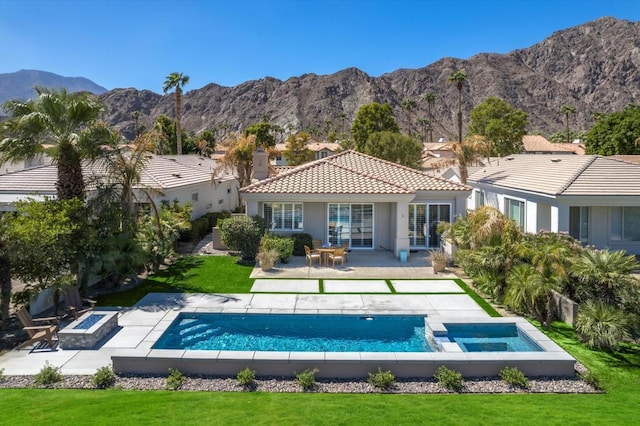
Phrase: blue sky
[136,43]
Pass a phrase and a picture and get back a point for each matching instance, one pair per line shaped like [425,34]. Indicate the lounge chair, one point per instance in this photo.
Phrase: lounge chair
[345,246]
[75,303]
[311,256]
[337,256]
[37,333]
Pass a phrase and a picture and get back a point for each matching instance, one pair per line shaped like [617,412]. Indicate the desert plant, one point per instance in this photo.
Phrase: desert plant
[383,380]
[247,378]
[175,379]
[307,379]
[449,379]
[103,378]
[284,246]
[600,325]
[268,258]
[514,377]
[48,375]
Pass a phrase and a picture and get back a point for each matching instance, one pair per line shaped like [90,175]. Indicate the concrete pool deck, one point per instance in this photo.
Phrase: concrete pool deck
[131,343]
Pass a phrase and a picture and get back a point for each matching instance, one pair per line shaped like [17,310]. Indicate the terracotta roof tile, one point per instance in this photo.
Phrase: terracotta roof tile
[352,172]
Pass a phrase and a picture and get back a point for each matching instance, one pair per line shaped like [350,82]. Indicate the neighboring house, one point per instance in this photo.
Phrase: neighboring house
[186,178]
[38,160]
[592,198]
[536,144]
[357,199]
[320,150]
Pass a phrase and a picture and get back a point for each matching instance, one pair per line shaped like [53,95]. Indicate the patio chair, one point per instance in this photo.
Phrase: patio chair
[311,256]
[316,245]
[37,333]
[75,303]
[345,247]
[337,256]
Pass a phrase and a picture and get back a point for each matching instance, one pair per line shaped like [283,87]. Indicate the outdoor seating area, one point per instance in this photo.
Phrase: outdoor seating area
[38,329]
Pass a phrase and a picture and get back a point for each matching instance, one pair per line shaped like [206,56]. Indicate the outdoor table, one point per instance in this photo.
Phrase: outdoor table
[324,253]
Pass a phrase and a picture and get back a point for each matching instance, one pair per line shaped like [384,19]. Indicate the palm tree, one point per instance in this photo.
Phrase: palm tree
[459,77]
[66,120]
[430,97]
[601,325]
[568,110]
[409,105]
[176,81]
[468,153]
[5,284]
[602,273]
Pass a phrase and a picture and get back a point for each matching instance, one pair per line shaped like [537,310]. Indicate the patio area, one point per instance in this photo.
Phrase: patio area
[360,264]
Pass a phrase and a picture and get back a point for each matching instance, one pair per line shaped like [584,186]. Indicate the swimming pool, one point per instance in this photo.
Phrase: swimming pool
[300,333]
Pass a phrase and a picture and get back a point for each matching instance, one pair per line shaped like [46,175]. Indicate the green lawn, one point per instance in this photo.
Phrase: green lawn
[618,373]
[190,274]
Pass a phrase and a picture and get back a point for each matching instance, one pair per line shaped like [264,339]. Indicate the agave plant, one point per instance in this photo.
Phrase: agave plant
[600,325]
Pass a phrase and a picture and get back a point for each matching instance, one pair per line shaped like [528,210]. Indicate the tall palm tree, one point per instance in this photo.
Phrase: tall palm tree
[409,105]
[567,110]
[176,80]
[458,78]
[468,153]
[430,97]
[68,121]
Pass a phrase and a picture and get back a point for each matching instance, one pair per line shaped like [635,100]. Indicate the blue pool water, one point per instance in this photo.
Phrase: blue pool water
[490,338]
[89,322]
[296,333]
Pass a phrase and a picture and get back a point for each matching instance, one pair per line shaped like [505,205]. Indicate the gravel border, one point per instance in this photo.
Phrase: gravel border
[483,385]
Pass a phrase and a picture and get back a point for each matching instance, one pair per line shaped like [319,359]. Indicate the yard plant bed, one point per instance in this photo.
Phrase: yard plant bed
[491,385]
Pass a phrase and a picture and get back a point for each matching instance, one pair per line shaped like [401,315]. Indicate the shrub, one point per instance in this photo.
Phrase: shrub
[247,377]
[307,379]
[284,246]
[48,375]
[600,325]
[104,378]
[299,241]
[382,379]
[213,217]
[1,374]
[449,379]
[514,377]
[175,379]
[243,233]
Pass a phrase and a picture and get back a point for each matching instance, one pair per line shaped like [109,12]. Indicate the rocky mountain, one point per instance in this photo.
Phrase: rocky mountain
[19,85]
[594,67]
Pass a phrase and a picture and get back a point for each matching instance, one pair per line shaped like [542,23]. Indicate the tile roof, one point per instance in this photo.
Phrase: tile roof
[537,143]
[161,172]
[351,172]
[562,175]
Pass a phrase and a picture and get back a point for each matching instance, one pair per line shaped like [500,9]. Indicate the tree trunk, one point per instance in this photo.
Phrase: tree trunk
[70,181]
[5,289]
[460,113]
[550,313]
[178,124]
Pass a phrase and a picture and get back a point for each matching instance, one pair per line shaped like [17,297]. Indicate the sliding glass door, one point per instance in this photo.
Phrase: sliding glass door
[436,213]
[417,228]
[351,224]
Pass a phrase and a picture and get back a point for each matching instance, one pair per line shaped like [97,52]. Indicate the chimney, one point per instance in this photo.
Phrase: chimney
[260,164]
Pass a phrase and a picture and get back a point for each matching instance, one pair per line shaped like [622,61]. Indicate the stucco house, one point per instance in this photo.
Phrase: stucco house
[355,198]
[592,198]
[319,149]
[186,178]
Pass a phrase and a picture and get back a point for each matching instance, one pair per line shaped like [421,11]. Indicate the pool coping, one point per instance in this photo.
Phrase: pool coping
[553,361]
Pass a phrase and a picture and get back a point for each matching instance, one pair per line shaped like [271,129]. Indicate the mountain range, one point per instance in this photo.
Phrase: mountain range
[594,67]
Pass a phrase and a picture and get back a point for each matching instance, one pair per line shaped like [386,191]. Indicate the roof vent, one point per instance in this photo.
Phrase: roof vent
[508,158]
[555,160]
[176,175]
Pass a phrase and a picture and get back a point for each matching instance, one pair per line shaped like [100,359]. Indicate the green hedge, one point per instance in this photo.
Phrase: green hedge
[299,241]
[284,245]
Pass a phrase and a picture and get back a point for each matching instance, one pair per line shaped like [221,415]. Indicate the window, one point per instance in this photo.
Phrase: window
[417,220]
[351,224]
[625,223]
[514,209]
[479,199]
[579,223]
[283,216]
[194,197]
[436,213]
